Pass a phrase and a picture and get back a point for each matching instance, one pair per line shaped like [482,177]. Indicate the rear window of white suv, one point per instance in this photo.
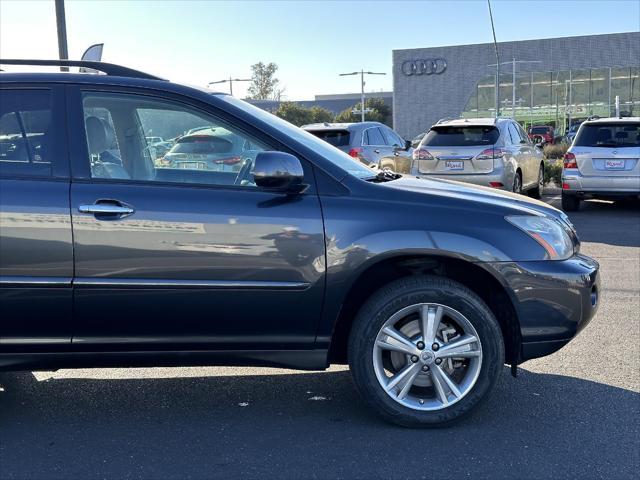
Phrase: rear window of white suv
[609,135]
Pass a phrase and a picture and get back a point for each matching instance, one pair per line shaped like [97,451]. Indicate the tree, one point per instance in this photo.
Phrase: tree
[299,115]
[380,112]
[264,84]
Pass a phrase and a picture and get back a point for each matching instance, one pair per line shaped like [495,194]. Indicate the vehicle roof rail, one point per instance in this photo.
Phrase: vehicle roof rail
[107,68]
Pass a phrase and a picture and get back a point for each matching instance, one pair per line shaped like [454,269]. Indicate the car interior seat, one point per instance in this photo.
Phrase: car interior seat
[99,138]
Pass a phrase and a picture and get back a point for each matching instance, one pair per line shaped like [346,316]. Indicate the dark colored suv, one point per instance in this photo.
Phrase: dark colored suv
[301,258]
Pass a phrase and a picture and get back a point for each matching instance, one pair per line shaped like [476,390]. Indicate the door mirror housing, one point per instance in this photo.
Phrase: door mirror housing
[407,144]
[278,171]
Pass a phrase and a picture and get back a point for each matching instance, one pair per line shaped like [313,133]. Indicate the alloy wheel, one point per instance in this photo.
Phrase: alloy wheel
[427,356]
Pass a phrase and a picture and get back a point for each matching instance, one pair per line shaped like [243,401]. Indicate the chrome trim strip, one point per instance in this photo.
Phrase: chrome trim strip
[212,284]
[26,281]
[454,157]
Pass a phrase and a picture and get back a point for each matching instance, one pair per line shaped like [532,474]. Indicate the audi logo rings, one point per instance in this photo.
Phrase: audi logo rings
[430,66]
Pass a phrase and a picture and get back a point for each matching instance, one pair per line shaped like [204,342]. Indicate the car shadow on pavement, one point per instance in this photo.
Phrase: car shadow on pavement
[289,425]
[613,223]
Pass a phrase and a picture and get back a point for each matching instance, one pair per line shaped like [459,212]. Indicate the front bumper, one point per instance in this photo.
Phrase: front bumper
[554,300]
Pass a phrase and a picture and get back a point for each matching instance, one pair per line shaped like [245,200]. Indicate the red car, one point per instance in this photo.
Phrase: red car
[541,134]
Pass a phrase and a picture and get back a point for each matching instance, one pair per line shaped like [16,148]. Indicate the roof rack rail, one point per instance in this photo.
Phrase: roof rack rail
[108,68]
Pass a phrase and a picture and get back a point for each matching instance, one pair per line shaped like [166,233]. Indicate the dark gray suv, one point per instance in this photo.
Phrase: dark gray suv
[301,258]
[373,143]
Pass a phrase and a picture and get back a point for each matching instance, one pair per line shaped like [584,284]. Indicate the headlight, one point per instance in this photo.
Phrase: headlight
[549,233]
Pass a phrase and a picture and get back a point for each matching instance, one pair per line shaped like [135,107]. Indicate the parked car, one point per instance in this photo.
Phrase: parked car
[603,162]
[542,134]
[211,148]
[373,143]
[571,132]
[484,151]
[301,259]
[154,140]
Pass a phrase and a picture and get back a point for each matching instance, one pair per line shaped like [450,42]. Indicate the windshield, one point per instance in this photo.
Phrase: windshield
[461,136]
[612,135]
[337,138]
[329,152]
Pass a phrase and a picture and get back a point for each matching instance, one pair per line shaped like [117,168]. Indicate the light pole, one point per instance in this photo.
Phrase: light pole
[495,45]
[230,80]
[362,73]
[61,24]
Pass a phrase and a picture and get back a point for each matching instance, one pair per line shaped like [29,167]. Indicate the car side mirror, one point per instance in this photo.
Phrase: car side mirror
[278,171]
[407,144]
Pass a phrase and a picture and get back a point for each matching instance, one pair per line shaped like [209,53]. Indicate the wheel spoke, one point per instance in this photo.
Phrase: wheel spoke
[397,341]
[430,318]
[439,387]
[460,348]
[438,372]
[404,379]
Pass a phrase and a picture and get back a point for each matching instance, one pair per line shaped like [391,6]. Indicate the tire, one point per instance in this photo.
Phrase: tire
[570,203]
[517,183]
[536,192]
[406,294]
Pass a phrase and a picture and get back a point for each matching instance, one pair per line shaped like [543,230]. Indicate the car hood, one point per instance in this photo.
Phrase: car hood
[496,198]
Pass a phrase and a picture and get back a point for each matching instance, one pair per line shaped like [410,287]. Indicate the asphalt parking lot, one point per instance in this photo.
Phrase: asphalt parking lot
[573,414]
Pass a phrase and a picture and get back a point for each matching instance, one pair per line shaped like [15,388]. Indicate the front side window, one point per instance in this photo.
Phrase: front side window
[25,143]
[514,134]
[134,137]
[393,138]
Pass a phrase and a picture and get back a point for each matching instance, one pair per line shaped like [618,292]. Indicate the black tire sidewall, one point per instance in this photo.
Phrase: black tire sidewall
[409,291]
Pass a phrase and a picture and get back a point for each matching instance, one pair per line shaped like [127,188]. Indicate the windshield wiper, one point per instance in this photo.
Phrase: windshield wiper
[384,176]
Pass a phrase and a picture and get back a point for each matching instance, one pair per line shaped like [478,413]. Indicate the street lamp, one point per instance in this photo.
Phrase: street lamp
[230,80]
[362,73]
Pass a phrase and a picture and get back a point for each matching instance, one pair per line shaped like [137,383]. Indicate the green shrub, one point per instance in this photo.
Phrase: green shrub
[553,172]
[554,152]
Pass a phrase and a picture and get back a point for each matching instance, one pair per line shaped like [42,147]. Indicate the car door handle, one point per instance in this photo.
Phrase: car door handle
[106,208]
[377,150]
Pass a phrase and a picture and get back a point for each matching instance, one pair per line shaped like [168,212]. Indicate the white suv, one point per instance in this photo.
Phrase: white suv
[603,162]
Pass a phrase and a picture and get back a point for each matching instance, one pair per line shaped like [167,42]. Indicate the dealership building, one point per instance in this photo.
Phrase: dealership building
[558,81]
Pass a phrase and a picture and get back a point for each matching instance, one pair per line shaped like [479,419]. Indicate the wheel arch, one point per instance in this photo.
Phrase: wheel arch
[474,276]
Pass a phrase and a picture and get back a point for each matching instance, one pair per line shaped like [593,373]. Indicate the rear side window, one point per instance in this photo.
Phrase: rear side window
[25,120]
[612,135]
[373,136]
[461,136]
[337,138]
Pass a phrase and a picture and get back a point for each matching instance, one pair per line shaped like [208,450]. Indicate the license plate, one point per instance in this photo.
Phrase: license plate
[454,165]
[192,165]
[614,164]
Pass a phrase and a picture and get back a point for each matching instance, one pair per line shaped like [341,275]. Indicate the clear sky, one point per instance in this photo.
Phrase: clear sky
[196,42]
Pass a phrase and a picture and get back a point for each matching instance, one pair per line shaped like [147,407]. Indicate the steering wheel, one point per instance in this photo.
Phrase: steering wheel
[245,172]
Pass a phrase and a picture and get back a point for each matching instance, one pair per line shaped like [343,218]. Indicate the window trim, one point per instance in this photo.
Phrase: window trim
[80,154]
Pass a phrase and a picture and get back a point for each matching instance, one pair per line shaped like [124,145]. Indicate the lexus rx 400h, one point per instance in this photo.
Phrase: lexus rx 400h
[301,258]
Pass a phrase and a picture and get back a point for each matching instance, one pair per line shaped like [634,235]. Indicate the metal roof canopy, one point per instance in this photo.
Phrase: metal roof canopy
[107,68]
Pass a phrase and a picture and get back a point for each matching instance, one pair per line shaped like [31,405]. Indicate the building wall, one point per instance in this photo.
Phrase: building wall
[420,101]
